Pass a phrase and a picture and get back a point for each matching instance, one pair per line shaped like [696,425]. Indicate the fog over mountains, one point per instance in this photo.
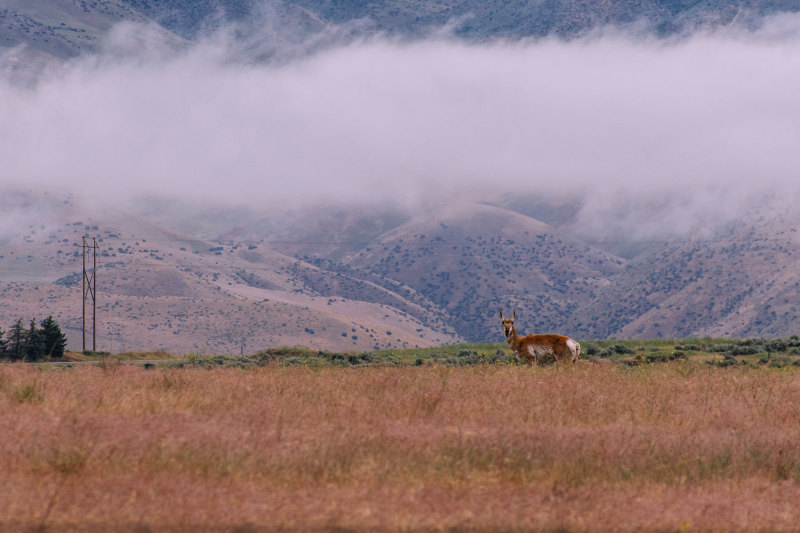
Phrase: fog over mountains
[360,175]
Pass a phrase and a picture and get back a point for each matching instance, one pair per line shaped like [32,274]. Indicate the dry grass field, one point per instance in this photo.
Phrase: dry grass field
[672,447]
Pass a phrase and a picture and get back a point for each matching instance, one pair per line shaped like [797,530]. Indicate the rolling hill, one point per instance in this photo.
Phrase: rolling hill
[742,282]
[473,259]
[354,279]
[159,289]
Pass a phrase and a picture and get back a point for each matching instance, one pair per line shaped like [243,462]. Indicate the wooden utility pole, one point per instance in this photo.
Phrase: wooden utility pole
[89,289]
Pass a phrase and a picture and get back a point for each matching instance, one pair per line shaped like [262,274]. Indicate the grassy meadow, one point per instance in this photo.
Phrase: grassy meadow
[640,440]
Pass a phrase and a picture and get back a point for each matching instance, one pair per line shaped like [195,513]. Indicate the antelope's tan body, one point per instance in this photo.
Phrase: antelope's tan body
[540,349]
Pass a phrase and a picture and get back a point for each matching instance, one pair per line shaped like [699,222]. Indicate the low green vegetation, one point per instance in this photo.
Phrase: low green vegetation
[773,353]
[718,352]
[712,351]
[459,355]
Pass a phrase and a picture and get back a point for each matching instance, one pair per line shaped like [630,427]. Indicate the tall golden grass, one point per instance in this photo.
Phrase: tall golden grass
[596,447]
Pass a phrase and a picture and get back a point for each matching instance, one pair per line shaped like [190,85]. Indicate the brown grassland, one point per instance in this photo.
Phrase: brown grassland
[671,447]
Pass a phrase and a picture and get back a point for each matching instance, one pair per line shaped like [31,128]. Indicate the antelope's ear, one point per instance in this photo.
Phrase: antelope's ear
[514,314]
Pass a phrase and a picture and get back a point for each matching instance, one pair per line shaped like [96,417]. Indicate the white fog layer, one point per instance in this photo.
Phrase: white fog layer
[705,125]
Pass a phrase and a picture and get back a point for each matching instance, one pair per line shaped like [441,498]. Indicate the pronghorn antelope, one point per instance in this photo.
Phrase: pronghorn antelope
[540,349]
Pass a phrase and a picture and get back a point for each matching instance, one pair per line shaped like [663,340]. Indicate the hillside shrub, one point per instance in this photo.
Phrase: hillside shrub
[726,361]
[472,357]
[782,362]
[776,346]
[748,349]
[722,348]
[655,358]
[755,346]
[622,349]
[750,342]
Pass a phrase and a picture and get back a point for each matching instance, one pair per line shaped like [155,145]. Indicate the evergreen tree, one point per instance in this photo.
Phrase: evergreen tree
[16,340]
[53,340]
[3,344]
[33,343]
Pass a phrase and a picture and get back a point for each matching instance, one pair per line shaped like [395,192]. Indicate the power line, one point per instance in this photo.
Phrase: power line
[89,286]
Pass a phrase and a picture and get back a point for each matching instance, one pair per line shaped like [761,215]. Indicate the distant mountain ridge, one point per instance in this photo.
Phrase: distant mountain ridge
[63,29]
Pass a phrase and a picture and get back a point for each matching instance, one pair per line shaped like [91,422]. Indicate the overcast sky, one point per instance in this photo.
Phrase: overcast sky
[705,123]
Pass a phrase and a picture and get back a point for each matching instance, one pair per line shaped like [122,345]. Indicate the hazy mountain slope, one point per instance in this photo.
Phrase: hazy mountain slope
[566,18]
[66,28]
[464,262]
[451,267]
[472,260]
[20,28]
[188,17]
[275,22]
[63,28]
[157,289]
[742,282]
[333,232]
[320,237]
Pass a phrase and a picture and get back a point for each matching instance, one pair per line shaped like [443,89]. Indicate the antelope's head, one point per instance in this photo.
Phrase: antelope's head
[508,323]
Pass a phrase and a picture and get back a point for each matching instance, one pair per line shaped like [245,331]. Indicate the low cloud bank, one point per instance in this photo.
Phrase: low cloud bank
[683,132]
